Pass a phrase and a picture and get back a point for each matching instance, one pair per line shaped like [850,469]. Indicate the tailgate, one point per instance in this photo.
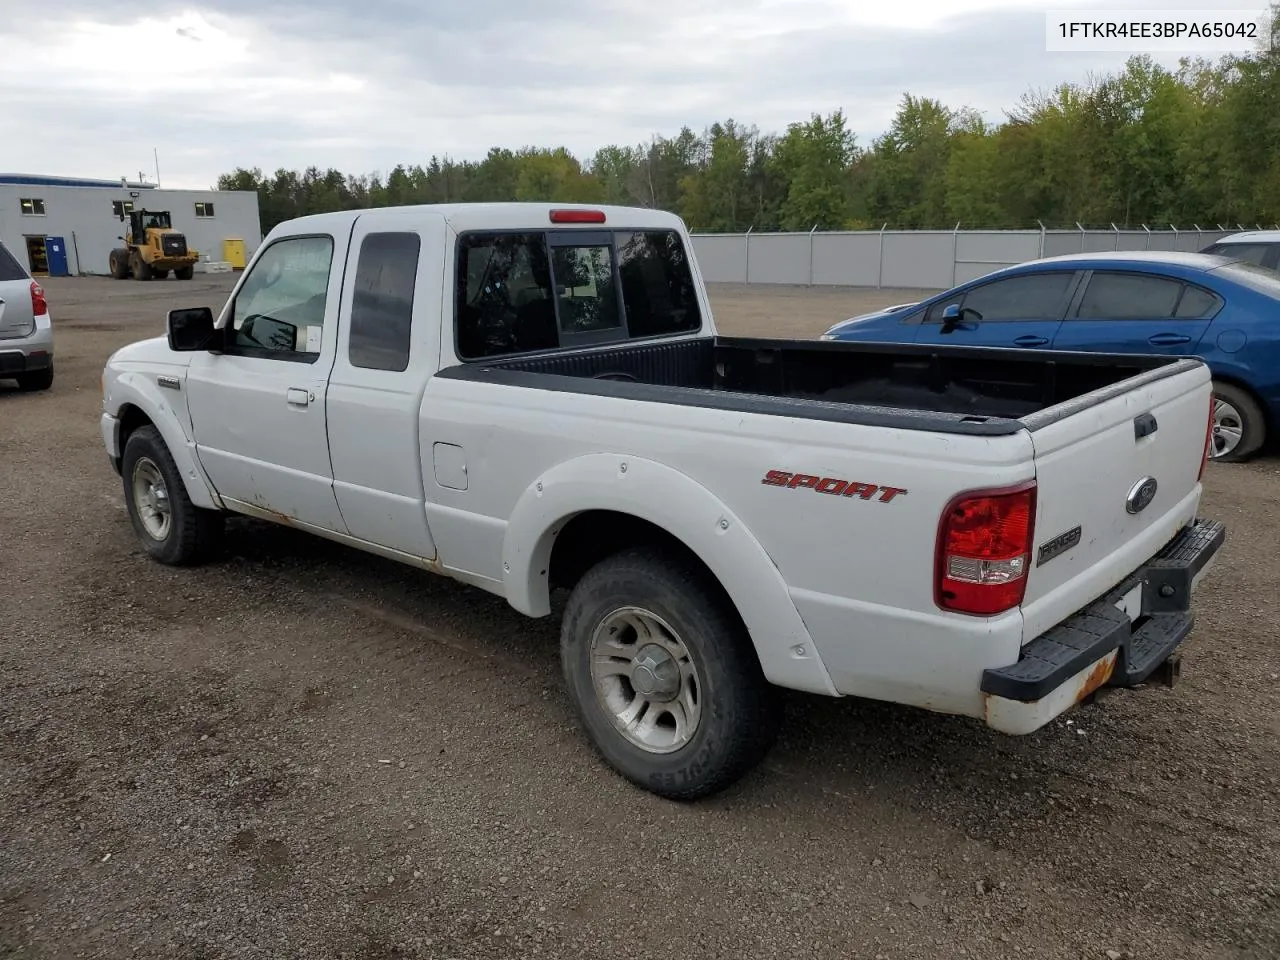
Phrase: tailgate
[1116,480]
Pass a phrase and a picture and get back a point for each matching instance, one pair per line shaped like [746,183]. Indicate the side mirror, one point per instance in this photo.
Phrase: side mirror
[953,315]
[192,329]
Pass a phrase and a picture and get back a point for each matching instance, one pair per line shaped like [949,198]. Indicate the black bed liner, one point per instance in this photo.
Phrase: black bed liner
[984,391]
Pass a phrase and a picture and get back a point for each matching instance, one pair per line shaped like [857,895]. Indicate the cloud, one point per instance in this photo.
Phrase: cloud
[363,87]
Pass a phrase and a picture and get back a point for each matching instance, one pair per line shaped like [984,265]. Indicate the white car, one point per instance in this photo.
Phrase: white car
[26,330]
[1256,246]
[529,398]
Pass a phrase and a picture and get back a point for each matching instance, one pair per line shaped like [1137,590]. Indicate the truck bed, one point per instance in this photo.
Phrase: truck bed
[967,390]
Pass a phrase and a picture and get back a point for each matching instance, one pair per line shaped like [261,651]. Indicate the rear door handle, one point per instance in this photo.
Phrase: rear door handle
[1168,339]
[1031,340]
[299,397]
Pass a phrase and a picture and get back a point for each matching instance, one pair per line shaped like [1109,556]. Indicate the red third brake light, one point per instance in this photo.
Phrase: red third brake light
[577,216]
[1208,437]
[984,550]
[39,305]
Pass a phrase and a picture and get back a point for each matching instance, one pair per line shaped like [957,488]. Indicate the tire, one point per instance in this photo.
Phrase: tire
[192,535]
[736,708]
[119,261]
[1239,428]
[159,274]
[36,380]
[185,273]
[138,267]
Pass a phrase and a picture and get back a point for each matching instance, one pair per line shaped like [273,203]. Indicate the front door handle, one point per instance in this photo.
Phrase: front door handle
[299,397]
[1168,339]
[1031,340]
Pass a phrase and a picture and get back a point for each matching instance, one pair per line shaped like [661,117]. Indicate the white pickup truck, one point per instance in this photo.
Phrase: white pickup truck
[531,398]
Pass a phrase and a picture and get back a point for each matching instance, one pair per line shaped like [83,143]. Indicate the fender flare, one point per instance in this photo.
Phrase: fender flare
[691,513]
[132,388]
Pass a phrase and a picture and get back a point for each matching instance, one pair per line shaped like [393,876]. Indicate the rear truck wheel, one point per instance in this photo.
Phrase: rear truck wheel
[138,267]
[173,530]
[36,379]
[159,274]
[663,676]
[184,273]
[119,261]
[1239,427]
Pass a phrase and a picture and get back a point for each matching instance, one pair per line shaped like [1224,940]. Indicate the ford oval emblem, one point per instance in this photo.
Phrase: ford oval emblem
[1141,495]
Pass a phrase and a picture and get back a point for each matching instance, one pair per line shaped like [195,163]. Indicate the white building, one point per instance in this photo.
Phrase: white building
[67,226]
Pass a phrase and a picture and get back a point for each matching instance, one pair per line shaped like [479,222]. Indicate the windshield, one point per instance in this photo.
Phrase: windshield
[1262,279]
[160,220]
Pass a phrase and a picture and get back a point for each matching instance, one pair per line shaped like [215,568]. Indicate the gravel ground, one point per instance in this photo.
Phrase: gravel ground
[303,751]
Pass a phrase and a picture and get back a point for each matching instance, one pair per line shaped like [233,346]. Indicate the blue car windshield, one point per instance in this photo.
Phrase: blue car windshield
[1262,279]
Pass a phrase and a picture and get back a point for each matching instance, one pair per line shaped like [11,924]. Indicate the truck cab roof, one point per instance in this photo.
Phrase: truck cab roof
[507,216]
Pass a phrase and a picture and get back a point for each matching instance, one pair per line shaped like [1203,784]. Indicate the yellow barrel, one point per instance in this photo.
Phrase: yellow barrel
[233,252]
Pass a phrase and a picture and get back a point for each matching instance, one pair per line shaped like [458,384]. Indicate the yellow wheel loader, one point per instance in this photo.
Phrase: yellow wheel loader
[152,248]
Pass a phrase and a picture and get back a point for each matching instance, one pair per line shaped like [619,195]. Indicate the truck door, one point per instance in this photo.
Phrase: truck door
[258,409]
[1018,311]
[388,347]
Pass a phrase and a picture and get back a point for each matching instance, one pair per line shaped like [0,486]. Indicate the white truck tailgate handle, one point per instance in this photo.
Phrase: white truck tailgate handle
[299,397]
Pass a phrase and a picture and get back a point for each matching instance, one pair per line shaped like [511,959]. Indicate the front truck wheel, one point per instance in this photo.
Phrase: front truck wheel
[1239,426]
[173,530]
[185,273]
[663,675]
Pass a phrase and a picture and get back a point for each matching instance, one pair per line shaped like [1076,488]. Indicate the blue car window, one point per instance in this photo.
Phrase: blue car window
[1128,296]
[1197,304]
[1028,297]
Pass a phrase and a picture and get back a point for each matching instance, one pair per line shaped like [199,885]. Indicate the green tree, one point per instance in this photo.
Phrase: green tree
[813,161]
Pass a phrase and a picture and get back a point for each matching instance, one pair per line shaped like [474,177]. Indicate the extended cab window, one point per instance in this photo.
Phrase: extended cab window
[382,301]
[520,292]
[279,311]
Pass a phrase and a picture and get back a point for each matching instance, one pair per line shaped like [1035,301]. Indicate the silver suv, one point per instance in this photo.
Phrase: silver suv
[26,332]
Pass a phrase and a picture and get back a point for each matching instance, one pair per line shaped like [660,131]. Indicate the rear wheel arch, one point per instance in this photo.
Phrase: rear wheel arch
[582,540]
[648,508]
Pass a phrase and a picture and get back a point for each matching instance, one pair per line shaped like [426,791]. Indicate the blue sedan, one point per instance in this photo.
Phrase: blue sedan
[1223,309]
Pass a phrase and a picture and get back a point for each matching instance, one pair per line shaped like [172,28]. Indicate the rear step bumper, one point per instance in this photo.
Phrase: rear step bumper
[1119,640]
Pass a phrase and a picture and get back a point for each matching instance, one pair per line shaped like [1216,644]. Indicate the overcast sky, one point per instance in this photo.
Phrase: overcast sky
[89,87]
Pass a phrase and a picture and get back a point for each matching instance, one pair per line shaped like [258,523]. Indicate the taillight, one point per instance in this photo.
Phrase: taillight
[1208,437]
[39,305]
[984,550]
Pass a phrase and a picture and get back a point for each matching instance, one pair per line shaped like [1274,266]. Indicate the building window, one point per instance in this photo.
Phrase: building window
[32,207]
[120,208]
[204,210]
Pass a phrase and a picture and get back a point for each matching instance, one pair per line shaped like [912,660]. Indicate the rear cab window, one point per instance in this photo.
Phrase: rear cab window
[519,292]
